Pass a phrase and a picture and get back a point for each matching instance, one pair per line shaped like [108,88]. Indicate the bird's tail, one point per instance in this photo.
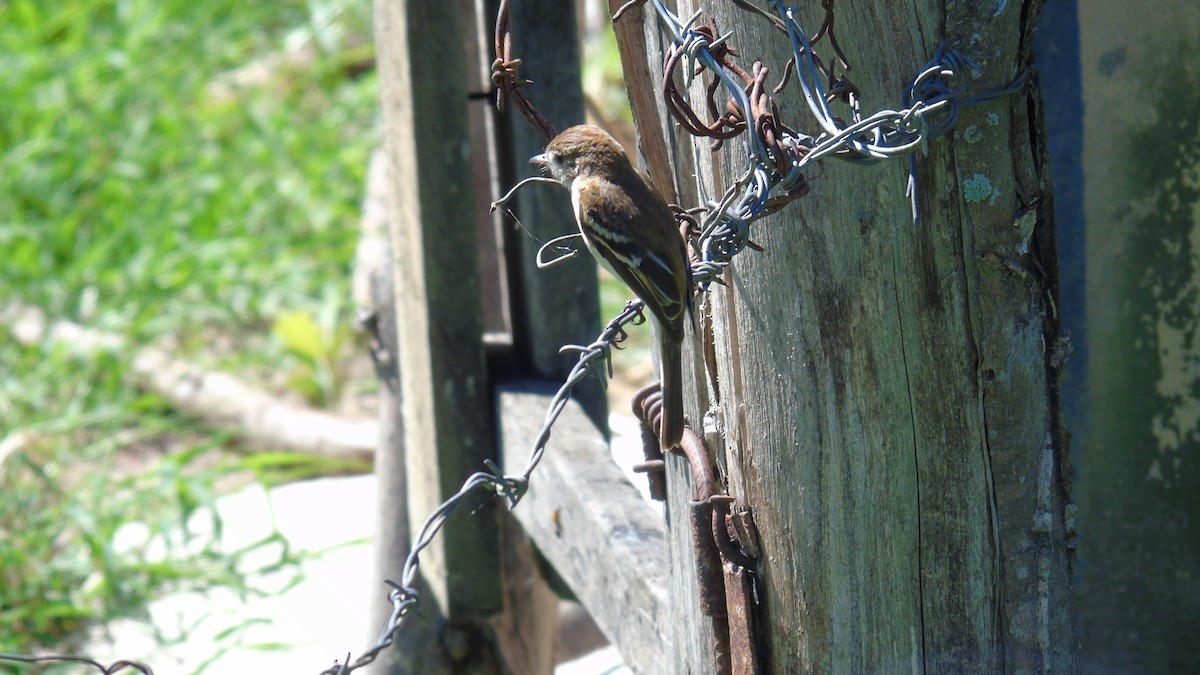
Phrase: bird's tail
[671,429]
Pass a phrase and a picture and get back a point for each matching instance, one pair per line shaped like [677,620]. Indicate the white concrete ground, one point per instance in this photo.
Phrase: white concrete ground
[301,630]
[312,623]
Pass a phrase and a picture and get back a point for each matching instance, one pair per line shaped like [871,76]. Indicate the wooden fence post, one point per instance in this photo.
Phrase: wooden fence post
[443,392]
[436,274]
[559,305]
[429,54]
[884,391]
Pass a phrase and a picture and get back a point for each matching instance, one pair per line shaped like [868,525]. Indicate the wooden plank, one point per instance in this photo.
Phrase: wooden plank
[640,44]
[528,629]
[392,539]
[592,525]
[669,160]
[444,390]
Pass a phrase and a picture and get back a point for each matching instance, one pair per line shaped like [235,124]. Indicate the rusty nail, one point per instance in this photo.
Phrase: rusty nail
[656,477]
[730,550]
[739,602]
[708,560]
[741,526]
[654,467]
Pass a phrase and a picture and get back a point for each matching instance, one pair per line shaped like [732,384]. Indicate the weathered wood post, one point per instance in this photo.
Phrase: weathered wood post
[884,395]
[487,608]
[443,385]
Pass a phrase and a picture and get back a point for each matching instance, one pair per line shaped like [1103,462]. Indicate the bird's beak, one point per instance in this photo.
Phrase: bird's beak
[539,160]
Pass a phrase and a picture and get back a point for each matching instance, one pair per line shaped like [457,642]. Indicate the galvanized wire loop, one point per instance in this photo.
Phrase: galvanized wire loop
[565,253]
[777,155]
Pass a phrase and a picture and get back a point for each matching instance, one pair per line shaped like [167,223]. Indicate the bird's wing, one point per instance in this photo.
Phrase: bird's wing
[657,273]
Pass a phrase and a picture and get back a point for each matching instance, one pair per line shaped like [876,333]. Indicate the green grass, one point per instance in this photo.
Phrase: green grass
[138,200]
[139,197]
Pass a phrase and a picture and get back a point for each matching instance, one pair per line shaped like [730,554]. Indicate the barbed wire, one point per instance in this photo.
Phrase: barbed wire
[114,667]
[505,77]
[404,595]
[777,154]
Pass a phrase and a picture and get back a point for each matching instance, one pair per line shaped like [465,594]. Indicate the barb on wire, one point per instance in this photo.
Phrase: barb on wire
[724,125]
[505,77]
[513,486]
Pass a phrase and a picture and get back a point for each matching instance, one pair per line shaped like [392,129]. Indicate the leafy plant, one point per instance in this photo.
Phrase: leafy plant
[316,343]
[70,554]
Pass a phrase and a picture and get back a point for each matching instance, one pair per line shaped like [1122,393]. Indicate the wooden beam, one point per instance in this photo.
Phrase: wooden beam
[591,524]
[444,392]
[1136,361]
[640,44]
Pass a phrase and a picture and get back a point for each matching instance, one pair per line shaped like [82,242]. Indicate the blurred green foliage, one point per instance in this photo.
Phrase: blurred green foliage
[139,195]
[170,170]
[314,342]
[603,79]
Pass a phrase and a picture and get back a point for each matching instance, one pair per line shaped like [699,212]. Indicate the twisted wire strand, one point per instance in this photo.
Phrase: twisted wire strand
[404,595]
[931,108]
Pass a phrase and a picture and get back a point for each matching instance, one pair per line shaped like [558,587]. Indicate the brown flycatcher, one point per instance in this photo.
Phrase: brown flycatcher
[630,229]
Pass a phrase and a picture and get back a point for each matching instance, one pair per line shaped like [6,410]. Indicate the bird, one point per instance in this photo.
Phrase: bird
[629,228]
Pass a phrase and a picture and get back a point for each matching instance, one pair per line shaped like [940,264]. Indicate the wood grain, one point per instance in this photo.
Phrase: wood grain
[592,525]
[444,394]
[885,405]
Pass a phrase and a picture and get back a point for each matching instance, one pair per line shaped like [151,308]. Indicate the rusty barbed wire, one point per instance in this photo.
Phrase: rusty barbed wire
[724,125]
[776,153]
[505,77]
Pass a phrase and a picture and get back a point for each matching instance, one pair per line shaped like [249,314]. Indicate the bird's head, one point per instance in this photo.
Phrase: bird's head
[582,150]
